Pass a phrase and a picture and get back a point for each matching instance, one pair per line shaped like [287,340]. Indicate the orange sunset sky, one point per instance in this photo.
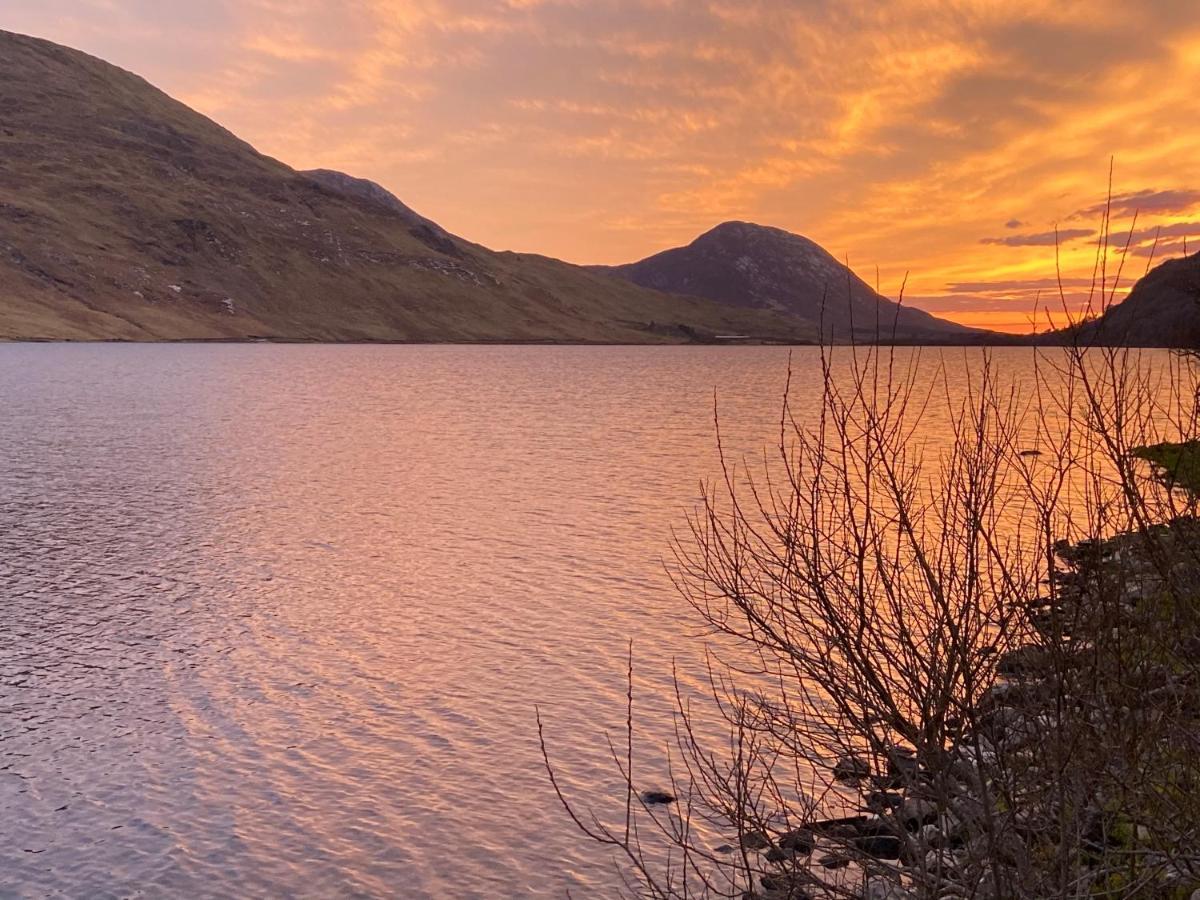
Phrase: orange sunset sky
[946,139]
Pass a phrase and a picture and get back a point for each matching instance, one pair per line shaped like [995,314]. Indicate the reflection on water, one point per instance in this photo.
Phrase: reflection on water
[275,618]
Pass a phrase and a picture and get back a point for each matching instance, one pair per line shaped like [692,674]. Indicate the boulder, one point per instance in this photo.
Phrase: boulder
[1003,723]
[784,884]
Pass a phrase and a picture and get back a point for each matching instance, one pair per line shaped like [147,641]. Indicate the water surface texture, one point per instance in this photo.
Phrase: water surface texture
[275,618]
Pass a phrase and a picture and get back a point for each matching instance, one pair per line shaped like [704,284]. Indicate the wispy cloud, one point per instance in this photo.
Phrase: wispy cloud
[1144,201]
[1040,239]
[1015,285]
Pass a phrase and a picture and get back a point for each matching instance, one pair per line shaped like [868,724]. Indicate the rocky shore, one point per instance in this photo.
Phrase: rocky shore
[1076,773]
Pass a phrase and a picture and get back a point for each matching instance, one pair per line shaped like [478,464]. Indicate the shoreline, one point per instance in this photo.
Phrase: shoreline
[1035,760]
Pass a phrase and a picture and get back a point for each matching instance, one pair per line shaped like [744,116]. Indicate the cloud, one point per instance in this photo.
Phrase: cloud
[1166,250]
[1169,230]
[1144,201]
[1041,239]
[1013,223]
[1009,286]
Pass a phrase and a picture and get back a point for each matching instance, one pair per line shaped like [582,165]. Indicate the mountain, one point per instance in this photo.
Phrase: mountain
[748,266]
[1162,310]
[125,215]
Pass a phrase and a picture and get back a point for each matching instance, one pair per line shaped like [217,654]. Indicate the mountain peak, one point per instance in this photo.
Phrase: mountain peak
[736,229]
[743,264]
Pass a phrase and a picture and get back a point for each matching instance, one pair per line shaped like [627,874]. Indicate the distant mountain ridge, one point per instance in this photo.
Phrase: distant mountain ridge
[750,266]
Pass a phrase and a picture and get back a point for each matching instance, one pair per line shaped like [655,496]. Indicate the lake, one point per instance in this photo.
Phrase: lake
[276,618]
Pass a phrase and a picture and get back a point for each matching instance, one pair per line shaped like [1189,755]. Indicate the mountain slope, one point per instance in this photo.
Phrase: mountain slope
[1162,310]
[750,266]
[126,215]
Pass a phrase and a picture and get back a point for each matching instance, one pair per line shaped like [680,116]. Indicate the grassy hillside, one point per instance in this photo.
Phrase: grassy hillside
[125,215]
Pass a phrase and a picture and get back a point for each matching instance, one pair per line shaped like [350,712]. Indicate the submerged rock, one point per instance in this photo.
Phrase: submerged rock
[753,840]
[783,885]
[799,841]
[851,768]
[657,798]
[778,855]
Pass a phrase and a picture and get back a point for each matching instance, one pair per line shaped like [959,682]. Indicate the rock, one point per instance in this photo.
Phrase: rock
[799,841]
[882,801]
[882,846]
[657,798]
[878,889]
[1012,693]
[775,855]
[1023,661]
[784,884]
[851,768]
[902,767]
[1000,723]
[753,840]
[917,812]
[850,827]
[833,861]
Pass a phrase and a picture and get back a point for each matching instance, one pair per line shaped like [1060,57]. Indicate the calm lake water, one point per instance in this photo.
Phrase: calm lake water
[275,618]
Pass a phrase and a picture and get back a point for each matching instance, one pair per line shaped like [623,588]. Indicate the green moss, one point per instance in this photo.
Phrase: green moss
[1121,833]
[1177,464]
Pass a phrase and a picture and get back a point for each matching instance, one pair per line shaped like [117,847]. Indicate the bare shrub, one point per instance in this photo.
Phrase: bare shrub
[955,668]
